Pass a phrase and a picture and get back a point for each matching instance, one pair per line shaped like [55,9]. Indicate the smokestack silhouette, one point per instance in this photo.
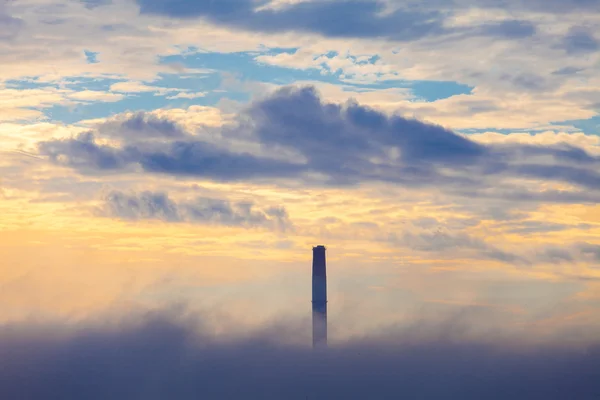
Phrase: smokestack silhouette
[319,297]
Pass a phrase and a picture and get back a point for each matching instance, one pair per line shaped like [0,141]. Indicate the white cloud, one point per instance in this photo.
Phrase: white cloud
[187,95]
[95,95]
[132,87]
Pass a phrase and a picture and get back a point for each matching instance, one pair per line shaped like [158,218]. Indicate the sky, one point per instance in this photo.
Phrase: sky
[167,165]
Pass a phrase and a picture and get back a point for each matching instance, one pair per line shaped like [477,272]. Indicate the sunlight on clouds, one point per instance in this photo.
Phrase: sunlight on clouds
[133,87]
[195,117]
[76,265]
[589,142]
[20,114]
[21,98]
[187,95]
[92,95]
[482,111]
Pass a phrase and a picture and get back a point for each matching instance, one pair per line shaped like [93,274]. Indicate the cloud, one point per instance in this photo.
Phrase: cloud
[204,159]
[192,158]
[83,153]
[448,244]
[332,144]
[510,29]
[94,95]
[543,6]
[142,126]
[202,210]
[522,195]
[556,256]
[133,87]
[298,118]
[440,241]
[580,40]
[161,356]
[96,3]
[170,93]
[146,205]
[123,57]
[529,227]
[332,18]
[9,25]
[187,95]
[590,250]
[568,71]
[588,253]
[362,18]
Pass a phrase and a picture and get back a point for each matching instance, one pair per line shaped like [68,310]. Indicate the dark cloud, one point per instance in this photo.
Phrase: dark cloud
[193,158]
[568,71]
[528,81]
[160,357]
[328,144]
[564,152]
[525,195]
[146,205]
[528,227]
[556,256]
[9,25]
[156,205]
[402,21]
[504,256]
[588,253]
[332,18]
[352,18]
[575,175]
[142,126]
[580,40]
[197,158]
[590,250]
[510,29]
[85,154]
[298,118]
[335,141]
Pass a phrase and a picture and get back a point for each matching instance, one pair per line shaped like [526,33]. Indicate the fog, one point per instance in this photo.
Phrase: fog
[166,355]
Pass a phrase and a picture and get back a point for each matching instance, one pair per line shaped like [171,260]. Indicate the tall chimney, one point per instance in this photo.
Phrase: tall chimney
[319,297]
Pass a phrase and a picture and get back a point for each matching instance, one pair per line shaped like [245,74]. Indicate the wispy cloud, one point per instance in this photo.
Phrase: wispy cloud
[158,206]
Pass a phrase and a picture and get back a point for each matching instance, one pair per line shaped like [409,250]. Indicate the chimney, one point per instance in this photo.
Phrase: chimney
[319,297]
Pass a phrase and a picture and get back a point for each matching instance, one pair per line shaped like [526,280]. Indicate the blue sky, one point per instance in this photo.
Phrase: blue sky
[243,67]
